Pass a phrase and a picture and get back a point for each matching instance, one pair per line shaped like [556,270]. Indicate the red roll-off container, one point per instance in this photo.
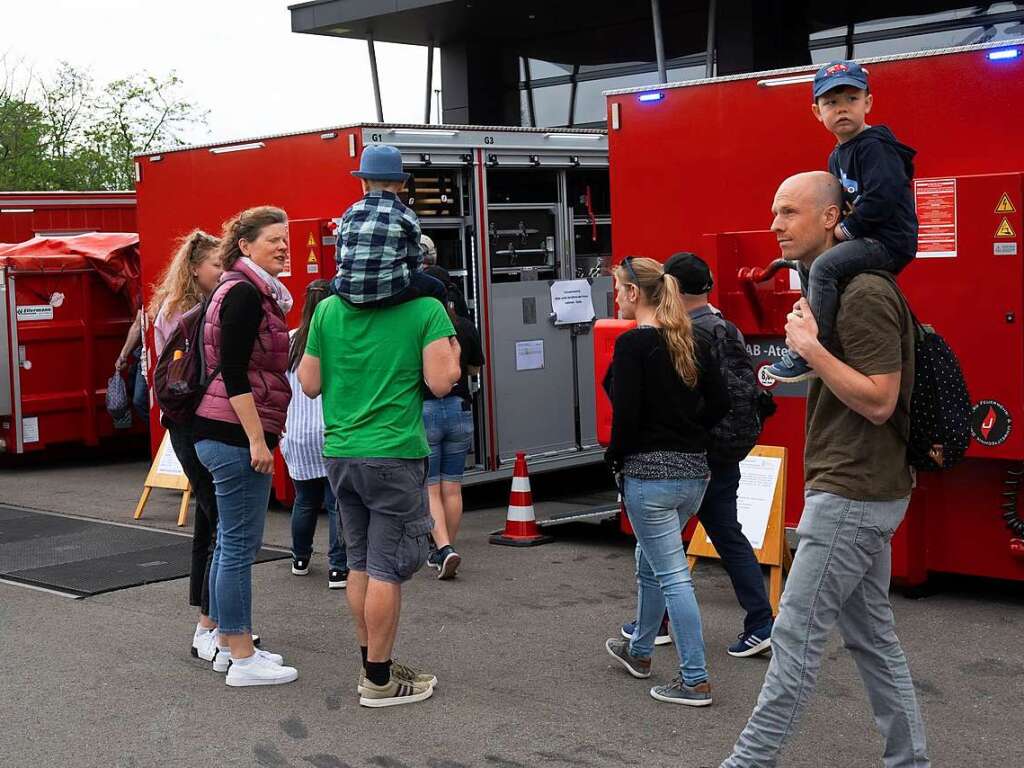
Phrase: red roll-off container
[66,305]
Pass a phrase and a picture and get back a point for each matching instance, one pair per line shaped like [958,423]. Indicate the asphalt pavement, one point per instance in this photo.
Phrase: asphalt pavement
[516,642]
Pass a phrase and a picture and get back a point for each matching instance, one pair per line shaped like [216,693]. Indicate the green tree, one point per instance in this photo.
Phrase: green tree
[136,115]
[23,160]
[61,133]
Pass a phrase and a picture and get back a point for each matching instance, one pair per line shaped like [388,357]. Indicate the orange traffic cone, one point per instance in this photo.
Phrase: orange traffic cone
[521,529]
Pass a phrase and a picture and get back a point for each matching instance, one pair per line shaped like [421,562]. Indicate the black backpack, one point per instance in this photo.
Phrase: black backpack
[180,379]
[734,436]
[940,406]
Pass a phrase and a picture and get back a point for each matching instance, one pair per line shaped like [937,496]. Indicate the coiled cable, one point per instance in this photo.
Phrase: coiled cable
[1009,506]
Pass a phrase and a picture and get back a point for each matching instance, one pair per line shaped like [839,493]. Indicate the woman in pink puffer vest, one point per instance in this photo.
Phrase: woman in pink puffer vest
[238,424]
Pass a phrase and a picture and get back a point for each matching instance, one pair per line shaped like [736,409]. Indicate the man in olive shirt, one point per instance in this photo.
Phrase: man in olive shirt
[857,488]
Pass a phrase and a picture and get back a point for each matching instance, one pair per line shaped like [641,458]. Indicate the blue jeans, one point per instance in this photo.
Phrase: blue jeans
[310,497]
[242,498]
[718,516]
[140,391]
[658,511]
[840,576]
[449,426]
[841,262]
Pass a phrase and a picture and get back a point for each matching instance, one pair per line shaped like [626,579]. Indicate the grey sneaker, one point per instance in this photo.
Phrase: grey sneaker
[637,666]
[678,692]
[403,674]
[394,693]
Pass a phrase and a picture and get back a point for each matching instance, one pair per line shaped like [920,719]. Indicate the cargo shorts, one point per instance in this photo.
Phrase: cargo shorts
[385,514]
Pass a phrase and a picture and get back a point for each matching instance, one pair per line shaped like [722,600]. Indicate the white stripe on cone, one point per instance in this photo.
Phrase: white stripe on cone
[521,514]
[520,484]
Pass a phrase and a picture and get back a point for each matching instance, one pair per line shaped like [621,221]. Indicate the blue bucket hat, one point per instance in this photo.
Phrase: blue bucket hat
[839,73]
[381,162]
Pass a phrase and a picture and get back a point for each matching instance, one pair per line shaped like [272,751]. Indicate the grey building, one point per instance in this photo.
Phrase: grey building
[530,63]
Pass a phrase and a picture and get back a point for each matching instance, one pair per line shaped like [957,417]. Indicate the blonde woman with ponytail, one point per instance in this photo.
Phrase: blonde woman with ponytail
[665,395]
[191,275]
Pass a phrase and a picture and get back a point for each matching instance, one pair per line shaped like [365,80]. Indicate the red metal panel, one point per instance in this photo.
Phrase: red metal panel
[55,212]
[707,159]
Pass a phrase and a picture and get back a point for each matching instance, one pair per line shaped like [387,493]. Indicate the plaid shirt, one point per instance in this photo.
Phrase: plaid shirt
[378,248]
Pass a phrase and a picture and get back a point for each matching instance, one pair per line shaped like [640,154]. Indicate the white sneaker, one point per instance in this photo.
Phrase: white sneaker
[259,670]
[204,644]
[222,661]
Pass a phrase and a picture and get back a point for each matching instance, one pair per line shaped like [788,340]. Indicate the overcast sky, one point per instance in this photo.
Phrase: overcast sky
[238,58]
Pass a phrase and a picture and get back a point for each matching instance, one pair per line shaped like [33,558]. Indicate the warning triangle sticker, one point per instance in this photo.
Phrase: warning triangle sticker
[1005,205]
[311,242]
[311,258]
[1005,230]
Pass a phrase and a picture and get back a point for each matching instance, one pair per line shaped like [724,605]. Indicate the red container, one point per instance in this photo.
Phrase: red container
[712,155]
[65,308]
[24,215]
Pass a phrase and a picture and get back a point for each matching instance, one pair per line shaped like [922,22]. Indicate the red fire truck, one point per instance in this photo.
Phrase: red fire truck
[514,213]
[709,156]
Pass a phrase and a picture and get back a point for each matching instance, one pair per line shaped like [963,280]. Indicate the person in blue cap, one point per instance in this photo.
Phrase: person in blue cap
[378,252]
[879,228]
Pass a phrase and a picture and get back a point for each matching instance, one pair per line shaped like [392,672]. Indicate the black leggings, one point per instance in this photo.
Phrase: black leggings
[204,525]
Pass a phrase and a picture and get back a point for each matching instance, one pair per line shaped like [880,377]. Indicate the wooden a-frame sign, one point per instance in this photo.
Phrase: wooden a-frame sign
[166,472]
[774,552]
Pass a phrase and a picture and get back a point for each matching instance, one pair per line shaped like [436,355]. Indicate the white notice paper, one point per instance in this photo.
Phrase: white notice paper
[529,355]
[169,464]
[759,476]
[30,429]
[571,302]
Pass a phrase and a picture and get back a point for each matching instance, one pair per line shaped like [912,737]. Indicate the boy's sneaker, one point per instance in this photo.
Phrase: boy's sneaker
[337,578]
[637,666]
[394,693]
[662,638]
[449,563]
[678,692]
[300,566]
[434,559]
[204,644]
[222,661]
[404,674]
[790,368]
[258,669]
[752,643]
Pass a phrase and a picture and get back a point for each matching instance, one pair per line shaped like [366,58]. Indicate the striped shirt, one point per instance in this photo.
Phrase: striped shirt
[302,444]
[378,248]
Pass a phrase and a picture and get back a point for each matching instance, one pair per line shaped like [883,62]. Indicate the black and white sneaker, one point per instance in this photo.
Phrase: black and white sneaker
[337,578]
[300,566]
[449,563]
[204,644]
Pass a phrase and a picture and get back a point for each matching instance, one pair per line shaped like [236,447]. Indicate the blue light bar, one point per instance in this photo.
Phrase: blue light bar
[654,96]
[1004,53]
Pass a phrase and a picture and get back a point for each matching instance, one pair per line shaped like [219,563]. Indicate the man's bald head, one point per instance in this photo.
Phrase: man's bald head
[819,187]
[807,208]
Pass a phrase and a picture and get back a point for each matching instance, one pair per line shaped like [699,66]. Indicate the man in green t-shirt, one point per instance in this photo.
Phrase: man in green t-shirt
[369,365]
[856,491]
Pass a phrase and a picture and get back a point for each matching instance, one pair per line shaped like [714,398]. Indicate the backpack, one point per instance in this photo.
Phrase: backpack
[734,436]
[180,380]
[940,406]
